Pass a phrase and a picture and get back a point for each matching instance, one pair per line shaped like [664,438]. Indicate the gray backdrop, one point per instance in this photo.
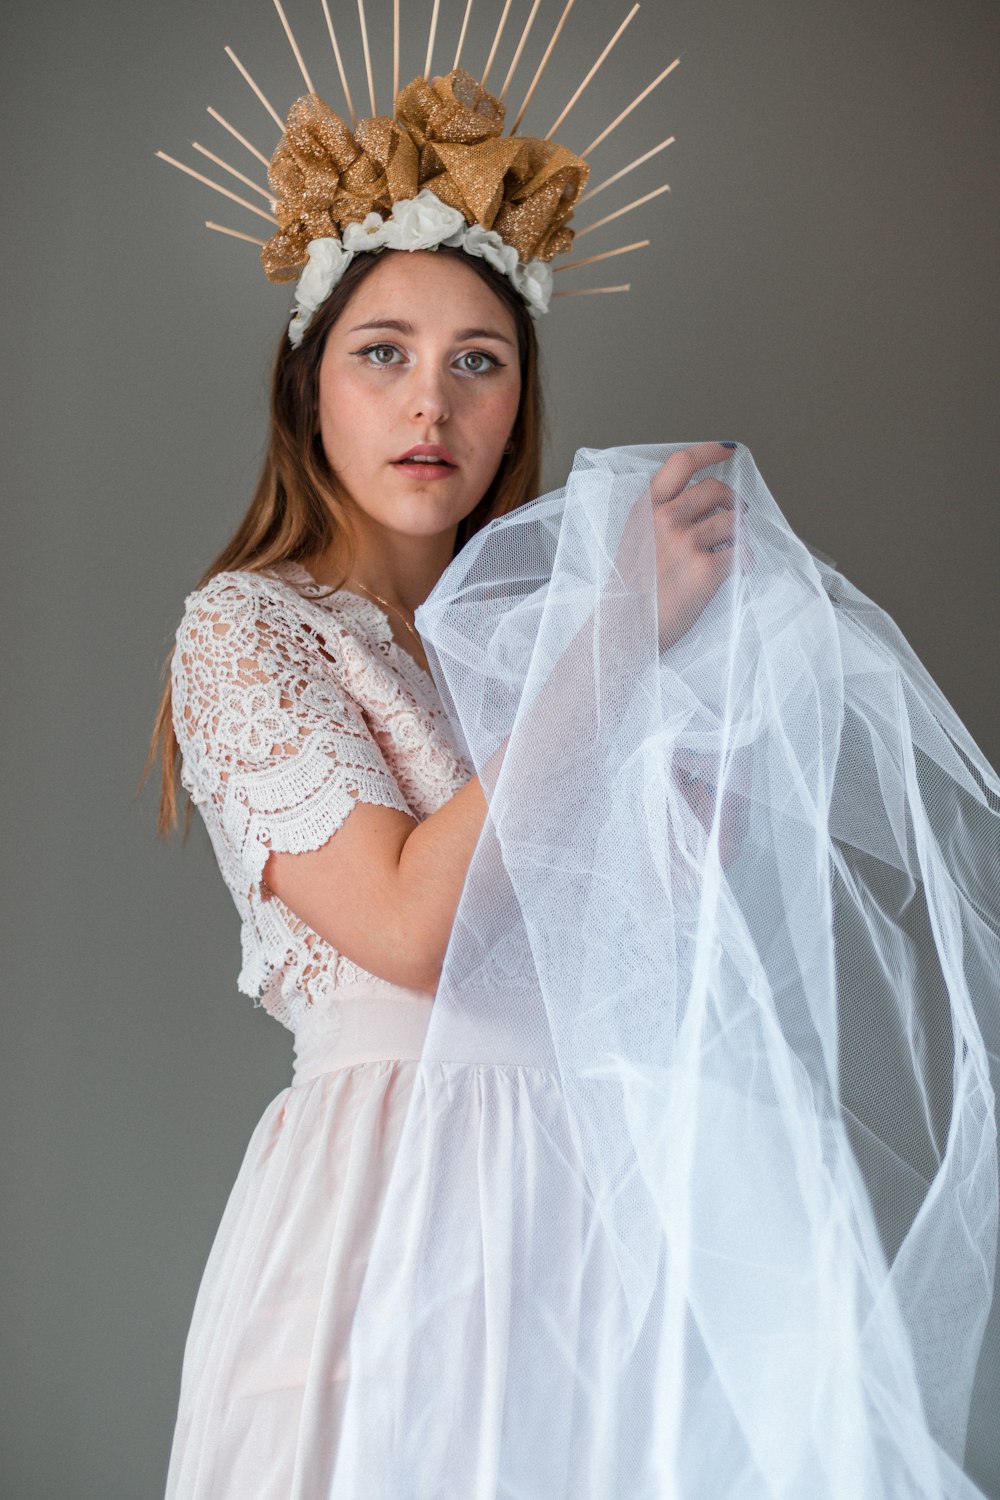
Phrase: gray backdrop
[821,287]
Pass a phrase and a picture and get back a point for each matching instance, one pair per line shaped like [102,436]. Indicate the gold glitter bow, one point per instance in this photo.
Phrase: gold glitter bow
[447,137]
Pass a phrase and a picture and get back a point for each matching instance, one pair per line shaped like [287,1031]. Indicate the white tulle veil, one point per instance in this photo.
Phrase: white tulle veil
[739,899]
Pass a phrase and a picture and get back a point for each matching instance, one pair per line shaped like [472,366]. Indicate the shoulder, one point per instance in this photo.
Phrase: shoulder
[248,644]
[247,611]
[230,597]
[286,595]
[245,624]
[242,628]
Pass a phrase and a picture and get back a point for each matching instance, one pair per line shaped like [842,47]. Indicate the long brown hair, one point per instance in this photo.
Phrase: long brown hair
[298,509]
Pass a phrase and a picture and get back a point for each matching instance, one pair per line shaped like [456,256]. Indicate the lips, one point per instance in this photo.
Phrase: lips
[429,457]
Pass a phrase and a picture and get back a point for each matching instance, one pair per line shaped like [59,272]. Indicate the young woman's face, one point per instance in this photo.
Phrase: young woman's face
[419,386]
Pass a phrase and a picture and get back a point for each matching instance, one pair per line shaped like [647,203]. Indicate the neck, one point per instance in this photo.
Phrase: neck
[400,570]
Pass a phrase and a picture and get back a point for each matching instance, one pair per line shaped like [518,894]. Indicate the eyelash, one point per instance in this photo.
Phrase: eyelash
[494,363]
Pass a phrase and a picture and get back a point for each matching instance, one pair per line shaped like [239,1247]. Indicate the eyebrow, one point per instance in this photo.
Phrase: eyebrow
[463,333]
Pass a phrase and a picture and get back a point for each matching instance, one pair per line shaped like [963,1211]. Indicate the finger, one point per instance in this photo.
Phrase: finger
[715,531]
[681,467]
[701,499]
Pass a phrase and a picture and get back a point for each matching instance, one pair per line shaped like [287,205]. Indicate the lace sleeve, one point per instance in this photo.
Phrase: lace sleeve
[266,728]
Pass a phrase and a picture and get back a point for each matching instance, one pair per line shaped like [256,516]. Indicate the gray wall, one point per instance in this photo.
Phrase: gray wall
[821,287]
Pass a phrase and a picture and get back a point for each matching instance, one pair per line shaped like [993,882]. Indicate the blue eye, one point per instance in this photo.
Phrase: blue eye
[373,354]
[485,362]
[473,362]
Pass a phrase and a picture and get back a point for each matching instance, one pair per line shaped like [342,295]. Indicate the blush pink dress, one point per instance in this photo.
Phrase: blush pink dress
[290,704]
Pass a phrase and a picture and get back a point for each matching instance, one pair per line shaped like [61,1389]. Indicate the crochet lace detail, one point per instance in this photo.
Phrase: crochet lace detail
[288,708]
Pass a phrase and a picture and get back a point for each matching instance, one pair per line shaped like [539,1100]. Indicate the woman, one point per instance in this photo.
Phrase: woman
[685,1183]
[415,358]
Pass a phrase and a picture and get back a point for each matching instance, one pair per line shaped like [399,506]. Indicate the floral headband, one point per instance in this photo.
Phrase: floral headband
[420,223]
[439,171]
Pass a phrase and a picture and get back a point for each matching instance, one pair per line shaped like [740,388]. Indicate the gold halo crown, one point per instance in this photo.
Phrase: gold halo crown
[439,170]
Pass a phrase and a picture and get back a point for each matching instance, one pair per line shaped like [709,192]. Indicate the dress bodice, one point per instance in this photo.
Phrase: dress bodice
[291,703]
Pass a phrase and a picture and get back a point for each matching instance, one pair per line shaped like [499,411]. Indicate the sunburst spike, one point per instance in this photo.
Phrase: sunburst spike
[461,39]
[294,46]
[617,176]
[430,39]
[217,186]
[626,112]
[592,291]
[339,61]
[542,66]
[496,41]
[236,136]
[237,234]
[247,181]
[590,260]
[589,78]
[269,107]
[520,48]
[368,56]
[637,203]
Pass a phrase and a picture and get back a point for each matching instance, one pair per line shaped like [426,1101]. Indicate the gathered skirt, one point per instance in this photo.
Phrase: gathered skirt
[267,1360]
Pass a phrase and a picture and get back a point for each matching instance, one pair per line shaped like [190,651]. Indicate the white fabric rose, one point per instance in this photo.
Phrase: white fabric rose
[371,234]
[534,282]
[326,263]
[487,243]
[423,222]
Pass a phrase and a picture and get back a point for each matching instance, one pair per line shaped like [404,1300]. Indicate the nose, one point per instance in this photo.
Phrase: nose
[429,400]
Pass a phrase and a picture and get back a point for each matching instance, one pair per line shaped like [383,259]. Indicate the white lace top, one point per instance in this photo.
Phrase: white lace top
[288,708]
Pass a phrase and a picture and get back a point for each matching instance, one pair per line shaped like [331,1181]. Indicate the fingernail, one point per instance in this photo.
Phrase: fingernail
[727,445]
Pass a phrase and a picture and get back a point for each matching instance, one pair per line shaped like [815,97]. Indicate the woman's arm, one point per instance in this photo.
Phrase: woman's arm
[384,889]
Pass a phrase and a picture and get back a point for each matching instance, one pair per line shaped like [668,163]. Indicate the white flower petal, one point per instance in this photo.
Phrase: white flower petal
[534,282]
[488,244]
[326,263]
[423,222]
[371,234]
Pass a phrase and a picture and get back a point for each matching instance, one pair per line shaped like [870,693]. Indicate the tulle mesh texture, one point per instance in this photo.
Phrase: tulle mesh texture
[739,899]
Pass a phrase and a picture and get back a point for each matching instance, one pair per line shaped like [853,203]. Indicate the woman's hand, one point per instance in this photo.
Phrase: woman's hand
[696,775]
[694,526]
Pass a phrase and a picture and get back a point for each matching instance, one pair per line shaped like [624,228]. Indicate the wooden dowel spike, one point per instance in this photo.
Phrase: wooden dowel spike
[619,211]
[236,136]
[395,52]
[269,107]
[496,41]
[592,291]
[461,39]
[339,61]
[617,177]
[368,55]
[294,46]
[542,66]
[589,78]
[520,48]
[237,234]
[590,260]
[430,39]
[626,112]
[217,186]
[247,181]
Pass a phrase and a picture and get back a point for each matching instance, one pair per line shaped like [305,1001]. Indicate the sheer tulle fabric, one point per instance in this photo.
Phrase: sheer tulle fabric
[723,991]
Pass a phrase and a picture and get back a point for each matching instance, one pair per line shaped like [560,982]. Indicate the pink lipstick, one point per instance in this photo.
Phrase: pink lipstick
[426,461]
